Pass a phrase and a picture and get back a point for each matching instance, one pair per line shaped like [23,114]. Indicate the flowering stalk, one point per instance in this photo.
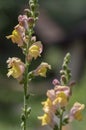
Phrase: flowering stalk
[65,72]
[22,35]
[57,100]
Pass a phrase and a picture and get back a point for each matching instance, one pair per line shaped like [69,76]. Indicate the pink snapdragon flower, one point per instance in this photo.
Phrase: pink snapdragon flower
[64,89]
[51,94]
[23,21]
[55,82]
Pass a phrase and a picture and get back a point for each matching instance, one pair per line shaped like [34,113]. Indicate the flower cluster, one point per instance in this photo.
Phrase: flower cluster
[57,99]
[23,36]
[54,107]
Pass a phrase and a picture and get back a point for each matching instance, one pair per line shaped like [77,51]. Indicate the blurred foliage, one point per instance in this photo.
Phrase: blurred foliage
[66,12]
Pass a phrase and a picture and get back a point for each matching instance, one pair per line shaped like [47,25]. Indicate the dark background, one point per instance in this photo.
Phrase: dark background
[61,28]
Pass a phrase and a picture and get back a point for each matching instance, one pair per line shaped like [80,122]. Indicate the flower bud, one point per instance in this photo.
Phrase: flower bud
[33,39]
[28,12]
[30,21]
[56,82]
[32,6]
[23,117]
[28,111]
[22,124]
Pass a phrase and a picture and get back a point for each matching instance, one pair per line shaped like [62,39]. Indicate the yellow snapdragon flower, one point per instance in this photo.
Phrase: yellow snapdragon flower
[35,50]
[61,99]
[42,69]
[48,106]
[15,37]
[64,89]
[15,67]
[18,35]
[45,119]
[75,112]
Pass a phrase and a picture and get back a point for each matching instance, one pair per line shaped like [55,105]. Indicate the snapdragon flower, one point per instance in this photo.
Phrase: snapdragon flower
[61,100]
[23,21]
[57,100]
[48,107]
[64,89]
[35,50]
[48,119]
[41,69]
[16,67]
[51,94]
[75,112]
[18,35]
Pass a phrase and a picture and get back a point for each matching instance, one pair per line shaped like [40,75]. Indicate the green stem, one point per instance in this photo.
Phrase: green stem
[26,82]
[30,32]
[61,116]
[25,87]
[25,95]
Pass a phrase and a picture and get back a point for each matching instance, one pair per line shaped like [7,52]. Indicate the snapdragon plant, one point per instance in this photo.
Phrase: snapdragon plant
[55,110]
[23,35]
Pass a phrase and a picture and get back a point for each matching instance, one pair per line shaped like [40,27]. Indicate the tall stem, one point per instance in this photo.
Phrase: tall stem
[25,97]
[29,32]
[25,88]
[61,116]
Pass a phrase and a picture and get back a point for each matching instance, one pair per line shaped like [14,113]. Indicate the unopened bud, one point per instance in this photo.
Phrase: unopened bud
[37,14]
[62,72]
[55,82]
[32,6]
[65,120]
[31,21]
[28,12]
[69,75]
[23,117]
[28,111]
[64,66]
[22,124]
[63,78]
[33,39]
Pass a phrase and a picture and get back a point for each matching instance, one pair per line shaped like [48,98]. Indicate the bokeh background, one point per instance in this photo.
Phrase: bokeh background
[61,28]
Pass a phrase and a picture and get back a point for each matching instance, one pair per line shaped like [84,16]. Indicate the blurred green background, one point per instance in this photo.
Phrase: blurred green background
[62,28]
